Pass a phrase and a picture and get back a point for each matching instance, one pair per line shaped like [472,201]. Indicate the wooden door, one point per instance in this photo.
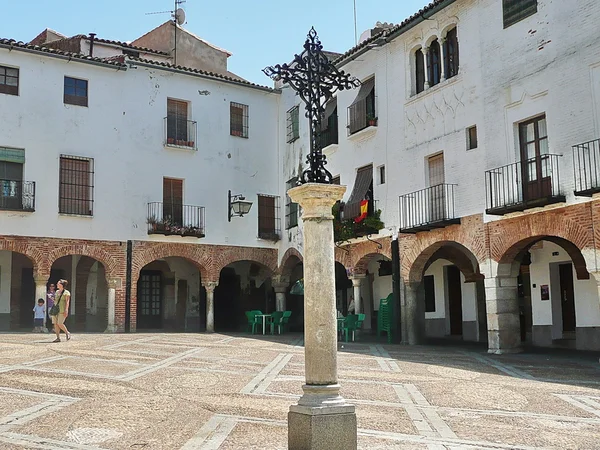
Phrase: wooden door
[535,162]
[567,297]
[173,200]
[454,300]
[149,300]
[177,123]
[437,199]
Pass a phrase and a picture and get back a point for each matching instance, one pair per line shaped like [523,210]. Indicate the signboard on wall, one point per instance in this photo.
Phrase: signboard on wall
[545,291]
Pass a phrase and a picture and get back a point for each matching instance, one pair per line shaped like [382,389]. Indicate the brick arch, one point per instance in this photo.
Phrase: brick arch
[228,255]
[109,262]
[342,256]
[456,253]
[362,253]
[289,261]
[38,259]
[516,252]
[195,254]
[360,268]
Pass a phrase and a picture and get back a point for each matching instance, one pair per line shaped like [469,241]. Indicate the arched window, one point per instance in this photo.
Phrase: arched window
[434,63]
[451,53]
[420,71]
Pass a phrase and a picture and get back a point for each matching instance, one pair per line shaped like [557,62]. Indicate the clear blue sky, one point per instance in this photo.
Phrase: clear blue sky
[258,32]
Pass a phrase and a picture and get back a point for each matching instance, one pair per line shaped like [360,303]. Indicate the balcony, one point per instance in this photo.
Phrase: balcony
[586,167]
[522,185]
[329,136]
[175,220]
[180,132]
[428,209]
[17,195]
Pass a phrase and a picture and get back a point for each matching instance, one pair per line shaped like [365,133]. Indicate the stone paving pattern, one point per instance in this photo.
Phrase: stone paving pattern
[214,391]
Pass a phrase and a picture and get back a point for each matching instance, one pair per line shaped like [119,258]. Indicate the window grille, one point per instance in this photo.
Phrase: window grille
[516,10]
[434,64]
[293,124]
[291,208]
[76,185]
[9,80]
[76,92]
[268,217]
[238,119]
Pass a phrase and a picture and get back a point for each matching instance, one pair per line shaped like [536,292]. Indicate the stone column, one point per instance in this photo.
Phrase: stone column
[210,305]
[356,284]
[40,292]
[322,418]
[425,51]
[412,320]
[113,283]
[502,307]
[280,285]
[443,56]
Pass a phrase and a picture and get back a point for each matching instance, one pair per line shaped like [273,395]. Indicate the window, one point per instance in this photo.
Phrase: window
[180,131]
[429,282]
[9,80]
[361,113]
[451,54]
[293,125]
[11,178]
[268,217]
[76,185]
[238,117]
[76,92]
[173,201]
[434,64]
[516,10]
[381,173]
[472,137]
[536,163]
[291,208]
[420,71]
[329,125]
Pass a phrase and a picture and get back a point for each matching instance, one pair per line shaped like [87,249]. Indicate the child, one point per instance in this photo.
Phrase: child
[39,312]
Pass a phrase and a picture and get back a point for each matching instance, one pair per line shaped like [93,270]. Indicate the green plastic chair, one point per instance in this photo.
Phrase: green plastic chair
[350,325]
[384,317]
[276,321]
[286,320]
[253,321]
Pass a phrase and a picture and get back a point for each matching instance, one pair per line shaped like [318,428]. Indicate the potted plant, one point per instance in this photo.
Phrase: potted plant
[170,141]
[152,223]
[371,120]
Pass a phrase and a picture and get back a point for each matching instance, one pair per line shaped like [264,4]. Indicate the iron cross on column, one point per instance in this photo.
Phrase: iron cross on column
[315,79]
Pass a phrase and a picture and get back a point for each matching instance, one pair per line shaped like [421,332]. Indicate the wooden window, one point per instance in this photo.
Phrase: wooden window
[451,53]
[361,113]
[420,71]
[437,193]
[434,63]
[293,124]
[173,201]
[291,208]
[429,283]
[76,92]
[177,122]
[268,217]
[76,185]
[381,173]
[516,10]
[472,137]
[9,80]
[238,119]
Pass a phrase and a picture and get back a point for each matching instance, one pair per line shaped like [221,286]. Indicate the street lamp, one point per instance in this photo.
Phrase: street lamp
[237,206]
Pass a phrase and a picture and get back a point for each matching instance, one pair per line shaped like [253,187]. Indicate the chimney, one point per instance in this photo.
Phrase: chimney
[92,37]
[379,27]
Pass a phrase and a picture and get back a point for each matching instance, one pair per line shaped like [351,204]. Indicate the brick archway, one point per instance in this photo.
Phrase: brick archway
[151,252]
[456,253]
[228,255]
[290,259]
[38,259]
[360,267]
[111,262]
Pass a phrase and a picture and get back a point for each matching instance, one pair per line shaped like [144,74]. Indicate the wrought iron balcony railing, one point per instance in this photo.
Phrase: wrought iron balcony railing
[180,132]
[525,184]
[427,209]
[17,195]
[586,167]
[175,219]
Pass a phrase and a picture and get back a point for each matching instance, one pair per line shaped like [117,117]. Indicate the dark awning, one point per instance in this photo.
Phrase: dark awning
[330,107]
[364,178]
[365,89]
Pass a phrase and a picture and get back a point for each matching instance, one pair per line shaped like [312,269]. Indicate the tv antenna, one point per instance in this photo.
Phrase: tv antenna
[178,16]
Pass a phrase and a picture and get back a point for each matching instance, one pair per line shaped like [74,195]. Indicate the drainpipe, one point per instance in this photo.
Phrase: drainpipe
[128,287]
[92,37]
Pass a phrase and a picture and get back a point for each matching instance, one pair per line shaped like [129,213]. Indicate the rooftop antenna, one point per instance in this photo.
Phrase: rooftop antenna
[178,16]
[355,32]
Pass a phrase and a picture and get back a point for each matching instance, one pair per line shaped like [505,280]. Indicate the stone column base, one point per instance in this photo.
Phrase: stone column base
[317,428]
[111,329]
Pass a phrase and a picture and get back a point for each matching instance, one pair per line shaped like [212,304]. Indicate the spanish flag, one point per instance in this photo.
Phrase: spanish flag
[364,206]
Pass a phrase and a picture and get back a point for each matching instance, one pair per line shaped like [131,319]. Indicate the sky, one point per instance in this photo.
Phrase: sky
[258,33]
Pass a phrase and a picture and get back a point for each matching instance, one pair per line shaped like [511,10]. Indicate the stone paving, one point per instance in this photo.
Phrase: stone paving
[203,391]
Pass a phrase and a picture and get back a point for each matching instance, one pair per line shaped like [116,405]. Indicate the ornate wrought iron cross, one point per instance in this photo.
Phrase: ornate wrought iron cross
[315,79]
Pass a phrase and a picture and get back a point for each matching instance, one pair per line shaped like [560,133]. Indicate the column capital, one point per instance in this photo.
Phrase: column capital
[276,279]
[280,288]
[425,50]
[317,199]
[114,283]
[210,285]
[39,280]
[357,279]
[441,40]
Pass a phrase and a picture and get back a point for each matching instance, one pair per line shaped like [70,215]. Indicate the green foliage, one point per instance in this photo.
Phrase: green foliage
[344,230]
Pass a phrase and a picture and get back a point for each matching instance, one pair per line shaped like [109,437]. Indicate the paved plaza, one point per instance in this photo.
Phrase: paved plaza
[214,391]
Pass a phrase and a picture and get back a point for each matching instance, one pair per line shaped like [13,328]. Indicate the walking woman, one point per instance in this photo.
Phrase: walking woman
[62,298]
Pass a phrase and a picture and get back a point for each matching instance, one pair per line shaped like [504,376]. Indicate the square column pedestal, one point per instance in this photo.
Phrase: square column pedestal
[322,419]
